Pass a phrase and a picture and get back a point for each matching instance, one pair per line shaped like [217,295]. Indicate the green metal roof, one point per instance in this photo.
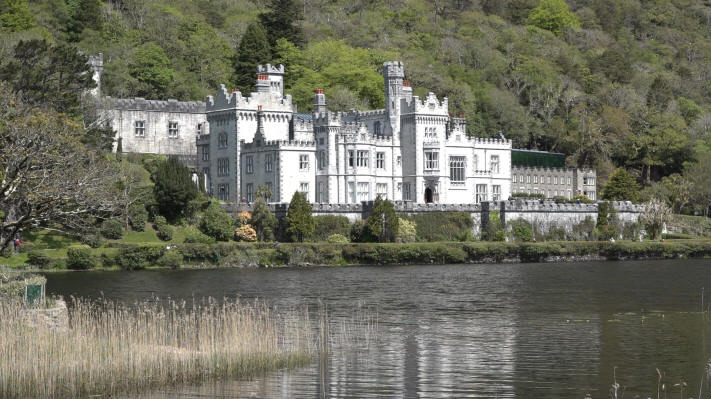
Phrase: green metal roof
[537,158]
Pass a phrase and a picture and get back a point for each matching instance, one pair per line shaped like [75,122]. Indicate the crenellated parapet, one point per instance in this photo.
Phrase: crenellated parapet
[278,144]
[546,206]
[225,99]
[430,105]
[270,69]
[141,104]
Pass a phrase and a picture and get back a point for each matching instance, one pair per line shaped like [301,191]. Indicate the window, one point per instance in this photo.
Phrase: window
[320,141]
[399,160]
[321,193]
[205,153]
[431,160]
[535,178]
[303,162]
[381,189]
[363,159]
[380,160]
[352,192]
[250,192]
[456,169]
[569,181]
[223,192]
[304,188]
[363,191]
[222,140]
[555,180]
[430,134]
[406,192]
[268,166]
[528,178]
[562,180]
[376,128]
[494,164]
[139,128]
[496,193]
[480,193]
[589,181]
[199,129]
[513,179]
[250,164]
[543,179]
[351,158]
[321,159]
[270,187]
[549,180]
[172,129]
[223,166]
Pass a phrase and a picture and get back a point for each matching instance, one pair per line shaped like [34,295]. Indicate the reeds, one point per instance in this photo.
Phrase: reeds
[112,348]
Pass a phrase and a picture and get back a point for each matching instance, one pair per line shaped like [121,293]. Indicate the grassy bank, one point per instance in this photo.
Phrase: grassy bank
[114,349]
[140,256]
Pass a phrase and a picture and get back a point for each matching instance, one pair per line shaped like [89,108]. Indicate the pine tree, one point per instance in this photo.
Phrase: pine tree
[621,187]
[174,189]
[254,49]
[263,220]
[83,14]
[299,218]
[383,222]
[282,21]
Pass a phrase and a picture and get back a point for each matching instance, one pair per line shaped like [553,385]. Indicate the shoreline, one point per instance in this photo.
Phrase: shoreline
[304,255]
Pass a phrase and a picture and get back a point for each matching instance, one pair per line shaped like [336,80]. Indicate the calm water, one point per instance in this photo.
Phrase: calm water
[506,331]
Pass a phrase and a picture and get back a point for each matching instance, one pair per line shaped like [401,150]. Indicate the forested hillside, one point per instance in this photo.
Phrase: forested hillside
[611,83]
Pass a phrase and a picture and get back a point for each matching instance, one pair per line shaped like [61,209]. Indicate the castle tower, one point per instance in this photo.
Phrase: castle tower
[274,77]
[393,73]
[319,101]
[97,68]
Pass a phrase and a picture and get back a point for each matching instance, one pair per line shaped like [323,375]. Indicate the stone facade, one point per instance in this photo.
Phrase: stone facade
[412,150]
[554,182]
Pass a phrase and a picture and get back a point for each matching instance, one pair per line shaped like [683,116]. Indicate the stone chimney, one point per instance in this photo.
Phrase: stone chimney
[319,101]
[263,85]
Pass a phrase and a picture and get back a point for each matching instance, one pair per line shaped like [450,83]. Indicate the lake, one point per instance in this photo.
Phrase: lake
[557,330]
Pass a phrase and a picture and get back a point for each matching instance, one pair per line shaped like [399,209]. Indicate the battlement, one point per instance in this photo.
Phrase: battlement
[224,99]
[549,206]
[278,144]
[539,169]
[141,104]
[429,105]
[393,69]
[270,69]
[327,117]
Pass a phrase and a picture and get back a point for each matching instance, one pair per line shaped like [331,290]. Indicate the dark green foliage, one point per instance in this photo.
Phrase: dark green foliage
[48,76]
[521,230]
[660,93]
[526,195]
[326,225]
[195,236]
[263,220]
[136,257]
[38,259]
[606,221]
[282,21]
[621,187]
[172,259]
[83,14]
[495,229]
[216,223]
[254,49]
[112,229]
[299,219]
[138,216]
[442,226]
[199,253]
[360,232]
[174,189]
[164,231]
[151,69]
[584,231]
[94,240]
[383,221]
[80,258]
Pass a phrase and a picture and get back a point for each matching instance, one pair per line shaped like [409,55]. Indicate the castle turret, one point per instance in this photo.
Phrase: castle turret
[97,69]
[319,101]
[274,77]
[393,73]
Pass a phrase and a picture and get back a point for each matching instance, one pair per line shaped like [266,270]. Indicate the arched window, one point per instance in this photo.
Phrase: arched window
[222,140]
[376,128]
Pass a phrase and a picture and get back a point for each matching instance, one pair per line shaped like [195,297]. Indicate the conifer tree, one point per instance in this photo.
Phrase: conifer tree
[263,220]
[174,188]
[15,16]
[383,222]
[282,21]
[621,187]
[254,49]
[299,219]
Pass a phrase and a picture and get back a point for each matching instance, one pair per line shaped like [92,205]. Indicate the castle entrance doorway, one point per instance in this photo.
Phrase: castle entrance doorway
[428,195]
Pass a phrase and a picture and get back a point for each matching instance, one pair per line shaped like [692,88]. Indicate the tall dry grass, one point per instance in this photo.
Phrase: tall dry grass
[112,348]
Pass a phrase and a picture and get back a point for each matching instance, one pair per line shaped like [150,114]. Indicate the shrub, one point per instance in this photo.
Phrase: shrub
[584,231]
[407,231]
[327,225]
[112,229]
[138,216]
[38,259]
[299,219]
[109,259]
[195,236]
[164,231]
[494,230]
[80,258]
[134,257]
[198,252]
[93,240]
[441,226]
[521,230]
[360,232]
[526,195]
[245,233]
[216,223]
[171,259]
[383,221]
[337,239]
